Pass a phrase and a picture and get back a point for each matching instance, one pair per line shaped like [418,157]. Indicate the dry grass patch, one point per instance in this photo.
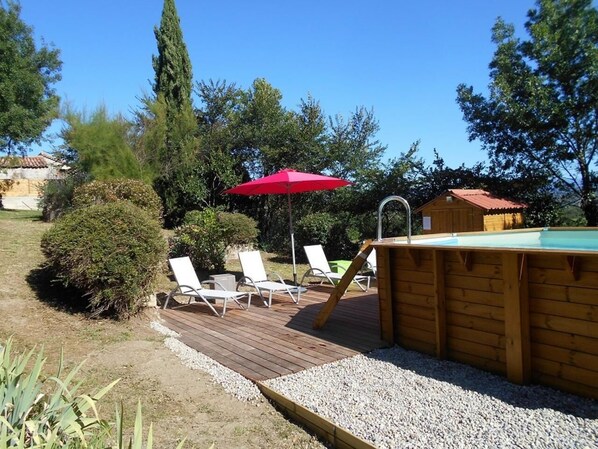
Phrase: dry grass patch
[180,402]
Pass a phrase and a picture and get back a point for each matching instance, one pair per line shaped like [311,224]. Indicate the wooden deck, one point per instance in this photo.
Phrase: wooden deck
[262,343]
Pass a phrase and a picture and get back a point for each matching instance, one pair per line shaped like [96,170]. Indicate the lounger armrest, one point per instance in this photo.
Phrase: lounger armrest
[214,283]
[314,270]
[277,277]
[337,266]
[246,280]
[193,289]
[178,290]
[367,267]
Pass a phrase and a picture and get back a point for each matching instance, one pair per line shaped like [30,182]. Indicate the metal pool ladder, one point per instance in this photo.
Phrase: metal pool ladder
[404,202]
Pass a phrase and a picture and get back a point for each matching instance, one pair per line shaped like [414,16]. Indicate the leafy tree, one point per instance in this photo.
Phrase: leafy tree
[541,111]
[310,137]
[439,178]
[220,103]
[266,129]
[352,145]
[264,132]
[99,145]
[28,103]
[398,176]
[148,135]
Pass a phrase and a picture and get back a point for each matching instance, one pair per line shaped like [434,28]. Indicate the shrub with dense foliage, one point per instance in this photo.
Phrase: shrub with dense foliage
[238,229]
[111,252]
[134,191]
[56,196]
[314,228]
[206,235]
[339,237]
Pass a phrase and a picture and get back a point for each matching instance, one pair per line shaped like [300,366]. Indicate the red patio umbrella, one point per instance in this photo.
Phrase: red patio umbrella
[288,181]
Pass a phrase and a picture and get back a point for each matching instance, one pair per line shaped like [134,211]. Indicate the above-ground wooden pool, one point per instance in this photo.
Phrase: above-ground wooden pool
[519,303]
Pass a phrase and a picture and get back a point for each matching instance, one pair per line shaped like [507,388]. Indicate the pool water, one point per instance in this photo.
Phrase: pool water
[582,239]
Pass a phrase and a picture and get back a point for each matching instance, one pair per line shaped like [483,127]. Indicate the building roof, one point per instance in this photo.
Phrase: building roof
[481,199]
[485,200]
[43,160]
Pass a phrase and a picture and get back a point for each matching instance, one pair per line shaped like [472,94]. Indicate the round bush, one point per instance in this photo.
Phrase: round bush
[132,190]
[111,252]
[315,228]
[206,235]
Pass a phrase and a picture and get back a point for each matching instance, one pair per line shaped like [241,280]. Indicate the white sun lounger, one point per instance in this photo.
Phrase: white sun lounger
[189,285]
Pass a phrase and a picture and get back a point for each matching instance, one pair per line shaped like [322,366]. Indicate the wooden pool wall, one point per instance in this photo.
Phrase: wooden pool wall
[531,316]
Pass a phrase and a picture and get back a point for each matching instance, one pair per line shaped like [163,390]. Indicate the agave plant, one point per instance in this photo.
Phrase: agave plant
[33,418]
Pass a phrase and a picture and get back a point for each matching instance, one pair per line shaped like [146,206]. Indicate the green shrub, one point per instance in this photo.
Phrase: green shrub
[134,191]
[207,234]
[336,233]
[239,229]
[110,252]
[193,217]
[314,229]
[56,196]
[344,240]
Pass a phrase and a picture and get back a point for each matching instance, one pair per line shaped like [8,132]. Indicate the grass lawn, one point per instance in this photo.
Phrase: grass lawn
[181,403]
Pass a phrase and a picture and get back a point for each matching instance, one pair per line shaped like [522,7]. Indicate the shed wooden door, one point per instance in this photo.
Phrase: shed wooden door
[454,220]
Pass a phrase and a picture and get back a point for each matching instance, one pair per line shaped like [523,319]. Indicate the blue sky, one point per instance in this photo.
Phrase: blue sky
[404,59]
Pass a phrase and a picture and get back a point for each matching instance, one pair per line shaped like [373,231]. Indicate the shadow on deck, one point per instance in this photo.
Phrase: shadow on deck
[262,343]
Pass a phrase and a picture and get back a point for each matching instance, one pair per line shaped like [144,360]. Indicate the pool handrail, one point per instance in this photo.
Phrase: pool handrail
[383,203]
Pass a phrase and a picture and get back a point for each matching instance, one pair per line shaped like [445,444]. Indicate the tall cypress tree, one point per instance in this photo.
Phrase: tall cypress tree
[172,66]
[175,145]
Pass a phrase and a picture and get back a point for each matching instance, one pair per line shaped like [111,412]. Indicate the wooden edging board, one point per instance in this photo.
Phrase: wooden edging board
[337,436]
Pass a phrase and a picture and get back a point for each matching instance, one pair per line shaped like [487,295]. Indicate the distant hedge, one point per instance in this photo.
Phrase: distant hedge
[111,252]
[134,191]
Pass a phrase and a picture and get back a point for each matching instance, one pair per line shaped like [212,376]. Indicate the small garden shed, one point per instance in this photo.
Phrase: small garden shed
[464,210]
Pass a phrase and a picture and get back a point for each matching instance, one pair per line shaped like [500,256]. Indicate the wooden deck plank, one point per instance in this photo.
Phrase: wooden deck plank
[262,343]
[235,345]
[243,362]
[248,341]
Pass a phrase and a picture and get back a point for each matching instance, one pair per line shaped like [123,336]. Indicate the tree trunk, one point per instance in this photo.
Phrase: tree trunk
[589,205]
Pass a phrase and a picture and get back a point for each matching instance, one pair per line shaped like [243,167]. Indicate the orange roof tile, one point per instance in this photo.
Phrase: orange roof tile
[485,200]
[23,162]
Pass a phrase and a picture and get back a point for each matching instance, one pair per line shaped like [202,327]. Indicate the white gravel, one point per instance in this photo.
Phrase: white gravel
[396,398]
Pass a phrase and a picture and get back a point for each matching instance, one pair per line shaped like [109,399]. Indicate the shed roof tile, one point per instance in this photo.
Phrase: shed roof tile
[485,200]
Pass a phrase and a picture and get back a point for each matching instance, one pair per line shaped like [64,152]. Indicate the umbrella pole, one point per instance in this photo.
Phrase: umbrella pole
[292,237]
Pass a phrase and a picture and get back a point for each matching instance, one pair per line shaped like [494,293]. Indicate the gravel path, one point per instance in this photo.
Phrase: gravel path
[396,398]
